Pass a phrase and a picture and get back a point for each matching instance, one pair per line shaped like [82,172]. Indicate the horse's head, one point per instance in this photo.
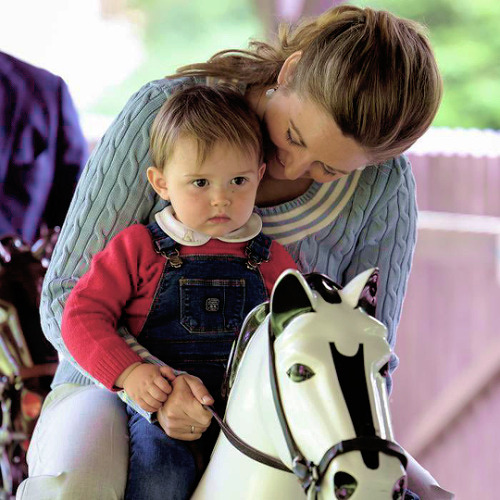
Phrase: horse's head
[330,361]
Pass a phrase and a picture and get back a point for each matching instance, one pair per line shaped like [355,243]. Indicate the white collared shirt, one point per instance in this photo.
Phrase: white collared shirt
[184,235]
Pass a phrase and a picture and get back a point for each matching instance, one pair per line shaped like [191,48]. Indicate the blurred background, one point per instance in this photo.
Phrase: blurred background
[446,401]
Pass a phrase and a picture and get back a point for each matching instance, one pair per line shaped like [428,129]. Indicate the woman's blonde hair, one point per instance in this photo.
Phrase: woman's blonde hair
[209,115]
[374,73]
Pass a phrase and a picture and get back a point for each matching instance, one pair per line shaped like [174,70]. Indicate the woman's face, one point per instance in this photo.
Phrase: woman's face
[305,142]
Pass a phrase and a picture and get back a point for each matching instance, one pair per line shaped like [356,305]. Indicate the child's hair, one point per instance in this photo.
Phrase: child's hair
[374,73]
[209,115]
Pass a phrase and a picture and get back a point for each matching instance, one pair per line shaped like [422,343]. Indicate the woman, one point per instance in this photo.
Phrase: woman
[341,97]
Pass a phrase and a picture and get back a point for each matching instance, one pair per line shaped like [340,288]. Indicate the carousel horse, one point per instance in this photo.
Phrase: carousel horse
[307,411]
[27,360]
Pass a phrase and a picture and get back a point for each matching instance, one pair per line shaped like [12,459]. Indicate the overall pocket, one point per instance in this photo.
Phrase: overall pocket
[211,306]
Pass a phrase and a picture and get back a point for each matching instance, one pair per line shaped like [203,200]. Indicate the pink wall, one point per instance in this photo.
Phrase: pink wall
[446,399]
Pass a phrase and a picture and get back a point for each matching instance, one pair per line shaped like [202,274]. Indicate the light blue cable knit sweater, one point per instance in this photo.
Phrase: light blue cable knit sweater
[341,228]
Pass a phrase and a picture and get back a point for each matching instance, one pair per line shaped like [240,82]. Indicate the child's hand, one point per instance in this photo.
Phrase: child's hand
[147,386]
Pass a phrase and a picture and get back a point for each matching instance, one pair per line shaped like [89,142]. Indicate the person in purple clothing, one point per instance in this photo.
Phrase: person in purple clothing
[42,149]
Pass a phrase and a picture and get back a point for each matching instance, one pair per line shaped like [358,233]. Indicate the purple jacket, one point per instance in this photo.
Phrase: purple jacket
[42,148]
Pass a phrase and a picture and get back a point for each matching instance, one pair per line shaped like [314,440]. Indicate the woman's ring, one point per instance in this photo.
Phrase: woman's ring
[192,429]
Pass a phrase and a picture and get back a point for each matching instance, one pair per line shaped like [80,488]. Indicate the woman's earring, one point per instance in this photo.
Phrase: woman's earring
[270,92]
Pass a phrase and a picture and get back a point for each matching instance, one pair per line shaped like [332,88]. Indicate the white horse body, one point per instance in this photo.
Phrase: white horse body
[314,400]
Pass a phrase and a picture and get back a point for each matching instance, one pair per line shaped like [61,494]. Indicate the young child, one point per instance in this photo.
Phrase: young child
[183,284]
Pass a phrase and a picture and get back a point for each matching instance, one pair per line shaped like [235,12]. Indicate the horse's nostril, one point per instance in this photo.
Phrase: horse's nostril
[344,485]
[398,491]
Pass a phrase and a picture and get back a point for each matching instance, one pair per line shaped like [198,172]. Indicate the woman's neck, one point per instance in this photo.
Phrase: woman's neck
[275,191]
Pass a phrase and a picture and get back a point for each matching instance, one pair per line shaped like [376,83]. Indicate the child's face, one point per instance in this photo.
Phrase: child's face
[214,198]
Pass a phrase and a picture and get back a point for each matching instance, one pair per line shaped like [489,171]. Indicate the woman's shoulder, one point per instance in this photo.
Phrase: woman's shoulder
[167,86]
[160,89]
[384,180]
[398,167]
[147,100]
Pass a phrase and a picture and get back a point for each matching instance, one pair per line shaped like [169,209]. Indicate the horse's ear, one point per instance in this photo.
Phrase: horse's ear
[291,297]
[361,291]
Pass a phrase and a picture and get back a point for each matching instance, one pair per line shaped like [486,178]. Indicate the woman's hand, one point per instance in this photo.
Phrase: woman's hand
[182,416]
[148,385]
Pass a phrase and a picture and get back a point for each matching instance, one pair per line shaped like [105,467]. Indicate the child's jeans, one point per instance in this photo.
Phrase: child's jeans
[160,466]
[163,467]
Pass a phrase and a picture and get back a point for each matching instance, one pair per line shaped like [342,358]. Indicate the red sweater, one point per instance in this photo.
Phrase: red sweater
[119,288]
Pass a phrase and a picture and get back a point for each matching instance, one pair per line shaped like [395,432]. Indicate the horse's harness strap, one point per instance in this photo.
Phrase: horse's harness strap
[308,473]
[365,443]
[305,471]
[299,464]
[245,448]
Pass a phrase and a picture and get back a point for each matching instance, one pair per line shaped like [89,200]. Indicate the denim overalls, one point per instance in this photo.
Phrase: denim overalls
[199,306]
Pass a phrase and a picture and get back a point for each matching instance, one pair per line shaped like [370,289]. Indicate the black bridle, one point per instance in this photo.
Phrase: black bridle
[309,474]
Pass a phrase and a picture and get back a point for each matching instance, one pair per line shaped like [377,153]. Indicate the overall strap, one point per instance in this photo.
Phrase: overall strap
[165,245]
[258,250]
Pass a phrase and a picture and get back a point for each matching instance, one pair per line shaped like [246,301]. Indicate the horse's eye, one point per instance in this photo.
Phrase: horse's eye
[299,373]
